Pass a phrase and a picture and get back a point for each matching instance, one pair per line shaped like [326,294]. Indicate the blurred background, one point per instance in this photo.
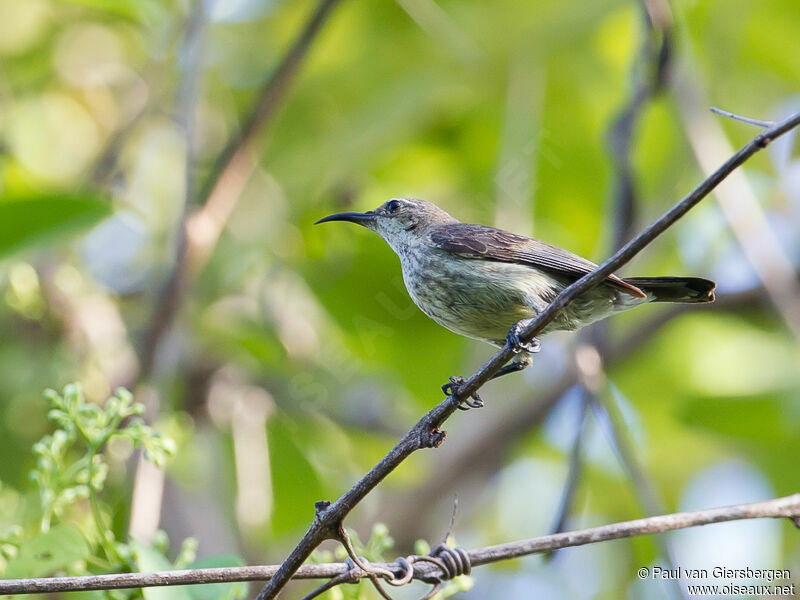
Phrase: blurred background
[162,163]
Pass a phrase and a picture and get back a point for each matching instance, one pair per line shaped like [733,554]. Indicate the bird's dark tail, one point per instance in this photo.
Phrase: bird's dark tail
[676,289]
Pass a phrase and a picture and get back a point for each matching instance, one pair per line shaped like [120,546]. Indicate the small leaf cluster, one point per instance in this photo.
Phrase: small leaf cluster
[96,424]
[70,465]
[10,539]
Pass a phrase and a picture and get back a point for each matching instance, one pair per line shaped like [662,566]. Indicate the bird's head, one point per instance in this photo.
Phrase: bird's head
[399,221]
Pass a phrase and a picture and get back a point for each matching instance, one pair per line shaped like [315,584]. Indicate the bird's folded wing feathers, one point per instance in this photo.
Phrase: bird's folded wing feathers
[488,243]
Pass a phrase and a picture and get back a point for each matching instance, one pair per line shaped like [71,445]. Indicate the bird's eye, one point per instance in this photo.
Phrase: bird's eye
[393,206]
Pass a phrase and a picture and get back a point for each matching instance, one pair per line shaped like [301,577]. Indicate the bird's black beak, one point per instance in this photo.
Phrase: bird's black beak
[353,217]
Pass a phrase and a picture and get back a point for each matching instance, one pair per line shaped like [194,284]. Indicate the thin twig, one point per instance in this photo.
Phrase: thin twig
[426,433]
[373,571]
[655,61]
[452,523]
[782,507]
[740,205]
[574,467]
[787,507]
[345,577]
[735,117]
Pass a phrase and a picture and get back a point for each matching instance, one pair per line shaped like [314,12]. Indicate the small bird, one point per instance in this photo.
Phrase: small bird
[488,284]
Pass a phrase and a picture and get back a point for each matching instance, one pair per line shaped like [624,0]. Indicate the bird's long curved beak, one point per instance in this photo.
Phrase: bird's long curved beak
[353,217]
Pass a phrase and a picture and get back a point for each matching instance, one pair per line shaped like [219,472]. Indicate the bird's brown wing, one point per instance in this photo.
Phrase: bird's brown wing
[488,243]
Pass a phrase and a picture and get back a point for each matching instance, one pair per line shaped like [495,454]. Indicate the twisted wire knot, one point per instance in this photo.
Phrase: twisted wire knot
[451,561]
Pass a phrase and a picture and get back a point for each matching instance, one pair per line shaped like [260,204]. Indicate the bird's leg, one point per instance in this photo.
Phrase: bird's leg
[451,388]
[517,345]
[520,363]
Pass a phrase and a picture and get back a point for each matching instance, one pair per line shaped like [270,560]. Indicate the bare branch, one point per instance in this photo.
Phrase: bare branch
[235,164]
[787,507]
[627,252]
[735,117]
[426,433]
[373,571]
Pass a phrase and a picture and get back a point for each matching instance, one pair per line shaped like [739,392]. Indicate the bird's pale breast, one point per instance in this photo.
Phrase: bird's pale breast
[477,298]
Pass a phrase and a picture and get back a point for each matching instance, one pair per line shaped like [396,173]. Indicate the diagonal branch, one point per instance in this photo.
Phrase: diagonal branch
[476,459]
[627,252]
[787,507]
[426,433]
[221,190]
[235,164]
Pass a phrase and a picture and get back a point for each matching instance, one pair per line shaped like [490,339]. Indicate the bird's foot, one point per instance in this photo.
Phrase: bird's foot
[452,387]
[517,345]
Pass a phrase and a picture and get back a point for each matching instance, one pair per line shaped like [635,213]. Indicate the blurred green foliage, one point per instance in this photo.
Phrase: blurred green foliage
[297,358]
[28,220]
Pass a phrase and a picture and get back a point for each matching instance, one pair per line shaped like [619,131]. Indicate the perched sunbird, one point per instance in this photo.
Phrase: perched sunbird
[488,284]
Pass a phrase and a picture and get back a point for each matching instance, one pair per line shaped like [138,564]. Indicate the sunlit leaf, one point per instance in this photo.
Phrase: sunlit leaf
[136,10]
[295,483]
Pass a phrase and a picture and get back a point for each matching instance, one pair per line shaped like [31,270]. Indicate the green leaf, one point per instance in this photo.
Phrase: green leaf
[218,591]
[48,552]
[134,10]
[25,220]
[295,483]
[759,419]
[148,560]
